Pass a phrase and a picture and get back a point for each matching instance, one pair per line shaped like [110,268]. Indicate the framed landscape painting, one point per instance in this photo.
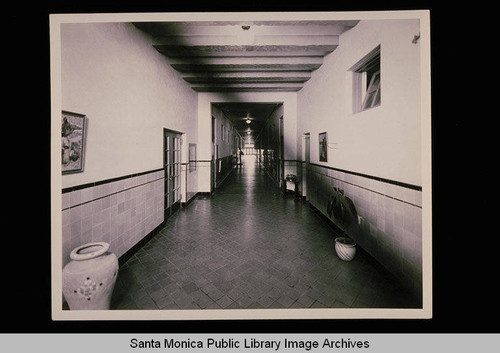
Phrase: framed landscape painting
[72,142]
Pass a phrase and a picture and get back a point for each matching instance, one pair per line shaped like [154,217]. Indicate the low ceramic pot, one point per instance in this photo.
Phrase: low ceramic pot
[89,278]
[345,248]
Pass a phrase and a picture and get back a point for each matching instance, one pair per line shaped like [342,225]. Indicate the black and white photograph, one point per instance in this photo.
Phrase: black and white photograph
[207,193]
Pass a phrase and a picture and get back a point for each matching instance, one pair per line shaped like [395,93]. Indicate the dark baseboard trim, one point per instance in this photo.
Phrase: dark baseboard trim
[218,184]
[372,259]
[327,220]
[186,204]
[289,192]
[130,252]
[205,193]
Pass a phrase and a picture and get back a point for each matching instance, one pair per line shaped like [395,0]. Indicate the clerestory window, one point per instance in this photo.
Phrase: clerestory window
[367,82]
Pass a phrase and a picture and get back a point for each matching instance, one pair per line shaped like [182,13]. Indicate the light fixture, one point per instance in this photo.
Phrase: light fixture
[248,132]
[248,121]
[245,35]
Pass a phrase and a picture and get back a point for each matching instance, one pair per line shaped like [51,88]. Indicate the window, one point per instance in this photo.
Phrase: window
[366,82]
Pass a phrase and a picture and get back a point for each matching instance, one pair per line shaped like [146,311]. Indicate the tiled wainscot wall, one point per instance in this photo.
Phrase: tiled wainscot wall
[120,211]
[390,214]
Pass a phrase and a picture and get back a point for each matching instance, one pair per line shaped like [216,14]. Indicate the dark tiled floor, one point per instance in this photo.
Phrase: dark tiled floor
[248,247]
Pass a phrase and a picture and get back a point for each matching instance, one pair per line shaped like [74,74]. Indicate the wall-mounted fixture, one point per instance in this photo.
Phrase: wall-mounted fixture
[416,37]
[246,35]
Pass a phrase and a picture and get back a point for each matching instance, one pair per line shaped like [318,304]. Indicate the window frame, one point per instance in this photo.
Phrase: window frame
[365,86]
[373,90]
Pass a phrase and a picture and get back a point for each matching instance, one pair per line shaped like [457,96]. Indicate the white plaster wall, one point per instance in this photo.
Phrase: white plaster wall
[384,141]
[289,100]
[225,144]
[111,73]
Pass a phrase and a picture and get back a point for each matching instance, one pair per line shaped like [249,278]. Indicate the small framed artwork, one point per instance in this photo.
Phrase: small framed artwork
[192,157]
[323,144]
[73,141]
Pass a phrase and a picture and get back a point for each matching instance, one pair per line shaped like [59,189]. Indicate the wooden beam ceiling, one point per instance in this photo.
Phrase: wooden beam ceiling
[246,56]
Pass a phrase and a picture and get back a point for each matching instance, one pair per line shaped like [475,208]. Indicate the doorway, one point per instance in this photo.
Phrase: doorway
[215,156]
[172,168]
[306,148]
[281,157]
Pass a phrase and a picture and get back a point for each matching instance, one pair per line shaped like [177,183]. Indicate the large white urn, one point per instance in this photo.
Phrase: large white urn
[89,278]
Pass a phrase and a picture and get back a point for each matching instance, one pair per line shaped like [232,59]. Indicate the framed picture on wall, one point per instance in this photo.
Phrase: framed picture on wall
[192,157]
[323,144]
[73,141]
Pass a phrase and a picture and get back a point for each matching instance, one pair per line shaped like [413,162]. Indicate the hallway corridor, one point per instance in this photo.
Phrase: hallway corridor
[248,247]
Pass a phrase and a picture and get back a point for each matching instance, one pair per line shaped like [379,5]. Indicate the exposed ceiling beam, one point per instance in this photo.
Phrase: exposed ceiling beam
[257,60]
[238,56]
[233,27]
[225,88]
[245,67]
[257,40]
[245,50]
[220,81]
[305,75]
[249,85]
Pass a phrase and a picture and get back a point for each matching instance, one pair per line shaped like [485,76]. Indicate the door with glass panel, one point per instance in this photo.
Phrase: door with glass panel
[172,167]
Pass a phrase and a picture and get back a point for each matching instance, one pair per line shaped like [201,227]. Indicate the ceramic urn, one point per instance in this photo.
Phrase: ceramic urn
[89,278]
